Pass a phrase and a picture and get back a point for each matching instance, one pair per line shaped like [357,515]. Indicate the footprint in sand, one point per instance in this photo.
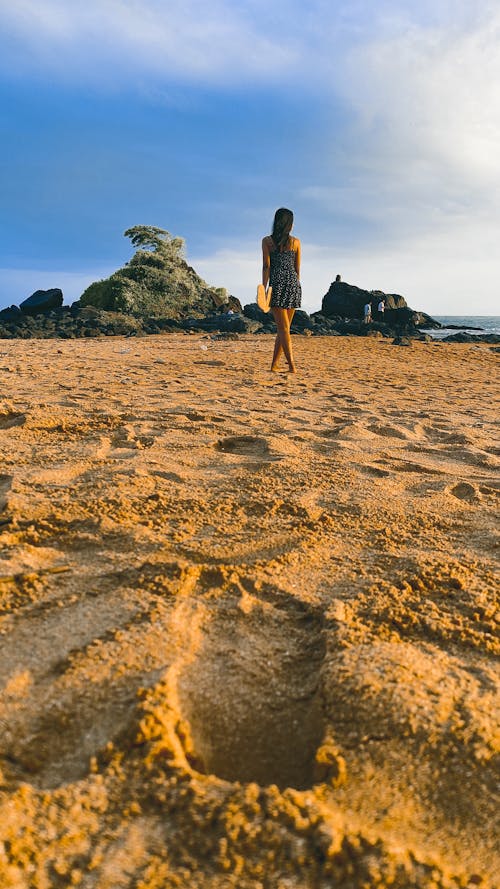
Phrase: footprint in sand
[409,466]
[128,438]
[446,435]
[375,471]
[247,445]
[250,700]
[12,418]
[465,491]
[388,430]
[5,486]
[350,431]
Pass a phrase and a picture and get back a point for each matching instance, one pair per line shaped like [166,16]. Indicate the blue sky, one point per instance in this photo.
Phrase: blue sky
[378,123]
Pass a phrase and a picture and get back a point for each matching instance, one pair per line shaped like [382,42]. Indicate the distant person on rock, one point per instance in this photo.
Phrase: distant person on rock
[338,279]
[381,310]
[281,271]
[367,311]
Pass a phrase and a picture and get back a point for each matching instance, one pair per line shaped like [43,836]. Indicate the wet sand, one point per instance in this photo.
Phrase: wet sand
[248,621]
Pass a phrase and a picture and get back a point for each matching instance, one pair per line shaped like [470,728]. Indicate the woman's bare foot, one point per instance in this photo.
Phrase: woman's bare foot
[292,369]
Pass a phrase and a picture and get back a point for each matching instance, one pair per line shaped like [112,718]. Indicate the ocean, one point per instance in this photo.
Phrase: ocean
[487,323]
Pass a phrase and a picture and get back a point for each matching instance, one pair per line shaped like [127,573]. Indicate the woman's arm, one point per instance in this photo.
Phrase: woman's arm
[296,247]
[266,262]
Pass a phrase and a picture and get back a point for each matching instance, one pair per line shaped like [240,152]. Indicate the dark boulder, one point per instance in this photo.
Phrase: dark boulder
[492,338]
[301,321]
[322,324]
[350,328]
[404,316]
[392,300]
[235,323]
[42,301]
[462,327]
[13,313]
[167,325]
[252,311]
[264,319]
[348,301]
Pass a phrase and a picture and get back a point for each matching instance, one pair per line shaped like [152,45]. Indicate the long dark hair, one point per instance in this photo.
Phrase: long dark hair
[282,225]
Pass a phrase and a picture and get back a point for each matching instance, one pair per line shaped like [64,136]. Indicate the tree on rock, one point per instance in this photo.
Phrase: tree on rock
[157,281]
[156,239]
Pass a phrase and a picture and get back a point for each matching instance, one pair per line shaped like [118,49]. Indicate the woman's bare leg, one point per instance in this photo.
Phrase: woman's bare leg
[278,351]
[290,313]
[283,319]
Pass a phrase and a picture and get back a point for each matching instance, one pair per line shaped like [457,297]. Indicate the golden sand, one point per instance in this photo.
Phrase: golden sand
[247,619]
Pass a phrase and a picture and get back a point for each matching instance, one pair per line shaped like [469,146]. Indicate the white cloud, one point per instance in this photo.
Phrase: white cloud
[424,140]
[118,41]
[437,92]
[418,162]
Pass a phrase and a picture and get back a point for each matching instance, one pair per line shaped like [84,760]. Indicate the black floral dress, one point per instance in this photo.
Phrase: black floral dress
[287,292]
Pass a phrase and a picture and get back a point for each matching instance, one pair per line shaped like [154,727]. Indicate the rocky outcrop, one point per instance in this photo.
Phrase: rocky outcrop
[72,322]
[235,323]
[347,301]
[42,301]
[12,313]
[157,282]
[492,338]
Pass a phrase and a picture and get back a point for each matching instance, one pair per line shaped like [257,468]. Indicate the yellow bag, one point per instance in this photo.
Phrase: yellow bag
[264,298]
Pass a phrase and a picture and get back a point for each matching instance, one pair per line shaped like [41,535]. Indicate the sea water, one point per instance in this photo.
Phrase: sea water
[486,323]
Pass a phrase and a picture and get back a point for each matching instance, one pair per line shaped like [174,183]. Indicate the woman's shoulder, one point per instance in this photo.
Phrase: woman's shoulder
[268,241]
[294,243]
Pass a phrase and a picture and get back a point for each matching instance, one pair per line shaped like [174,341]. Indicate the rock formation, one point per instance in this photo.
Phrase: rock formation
[42,301]
[347,301]
[157,282]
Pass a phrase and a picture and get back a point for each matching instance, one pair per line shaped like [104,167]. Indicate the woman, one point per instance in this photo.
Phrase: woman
[281,270]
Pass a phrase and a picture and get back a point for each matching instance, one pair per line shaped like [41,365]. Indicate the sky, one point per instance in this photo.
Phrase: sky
[376,121]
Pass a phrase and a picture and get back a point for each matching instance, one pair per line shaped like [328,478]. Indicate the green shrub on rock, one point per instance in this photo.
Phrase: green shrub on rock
[157,281]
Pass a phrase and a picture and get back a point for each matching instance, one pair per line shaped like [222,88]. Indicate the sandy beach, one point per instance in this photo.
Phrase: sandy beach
[248,622]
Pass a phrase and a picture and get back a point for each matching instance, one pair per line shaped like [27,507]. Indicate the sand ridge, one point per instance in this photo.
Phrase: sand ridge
[248,621]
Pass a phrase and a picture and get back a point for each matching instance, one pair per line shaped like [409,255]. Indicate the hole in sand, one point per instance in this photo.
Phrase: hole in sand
[465,491]
[251,697]
[5,485]
[251,445]
[7,421]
